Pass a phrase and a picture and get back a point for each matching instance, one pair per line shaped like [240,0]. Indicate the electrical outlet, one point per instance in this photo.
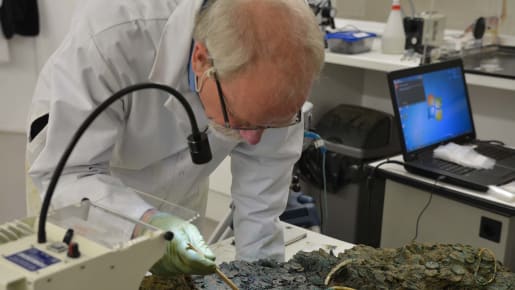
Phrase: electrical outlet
[490,229]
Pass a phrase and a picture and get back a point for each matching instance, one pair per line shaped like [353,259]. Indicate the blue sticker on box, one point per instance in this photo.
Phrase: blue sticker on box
[32,259]
[350,36]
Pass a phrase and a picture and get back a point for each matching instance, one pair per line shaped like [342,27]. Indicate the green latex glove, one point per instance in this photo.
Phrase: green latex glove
[179,258]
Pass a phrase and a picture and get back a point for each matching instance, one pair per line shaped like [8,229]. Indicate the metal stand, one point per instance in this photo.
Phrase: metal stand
[224,228]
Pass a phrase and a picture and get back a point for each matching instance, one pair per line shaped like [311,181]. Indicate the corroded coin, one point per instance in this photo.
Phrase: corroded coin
[487,257]
[445,262]
[362,272]
[470,258]
[431,272]
[481,280]
[296,267]
[455,278]
[458,270]
[458,256]
[432,265]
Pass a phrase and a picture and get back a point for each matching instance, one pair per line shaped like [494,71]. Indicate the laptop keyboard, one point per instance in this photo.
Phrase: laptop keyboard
[495,152]
[451,167]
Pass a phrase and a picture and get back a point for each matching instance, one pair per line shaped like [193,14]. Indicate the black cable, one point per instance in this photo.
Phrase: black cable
[420,216]
[197,142]
[322,196]
[368,183]
[373,172]
[439,178]
[321,209]
[324,193]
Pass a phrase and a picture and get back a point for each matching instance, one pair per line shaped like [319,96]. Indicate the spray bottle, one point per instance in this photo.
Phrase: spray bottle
[394,38]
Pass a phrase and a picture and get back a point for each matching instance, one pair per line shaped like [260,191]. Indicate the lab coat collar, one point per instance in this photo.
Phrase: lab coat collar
[171,62]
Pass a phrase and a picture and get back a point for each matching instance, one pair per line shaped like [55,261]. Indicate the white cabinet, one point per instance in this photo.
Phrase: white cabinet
[219,197]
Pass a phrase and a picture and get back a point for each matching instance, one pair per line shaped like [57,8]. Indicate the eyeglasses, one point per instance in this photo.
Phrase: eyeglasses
[295,120]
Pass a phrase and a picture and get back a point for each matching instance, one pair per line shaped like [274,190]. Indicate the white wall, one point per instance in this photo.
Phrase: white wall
[28,54]
[17,81]
[12,191]
[460,13]
[219,198]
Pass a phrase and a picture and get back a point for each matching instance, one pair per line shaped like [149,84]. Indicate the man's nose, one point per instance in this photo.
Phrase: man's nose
[252,136]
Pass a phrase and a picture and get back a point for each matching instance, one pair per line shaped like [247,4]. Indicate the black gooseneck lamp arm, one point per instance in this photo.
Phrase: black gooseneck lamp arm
[198,143]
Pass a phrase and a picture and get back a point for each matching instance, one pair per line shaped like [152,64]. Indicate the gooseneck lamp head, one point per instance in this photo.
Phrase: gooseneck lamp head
[198,143]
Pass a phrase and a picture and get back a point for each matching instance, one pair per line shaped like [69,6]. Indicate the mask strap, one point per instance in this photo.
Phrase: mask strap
[207,74]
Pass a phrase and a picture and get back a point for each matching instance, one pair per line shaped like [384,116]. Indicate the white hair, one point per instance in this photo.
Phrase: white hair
[236,36]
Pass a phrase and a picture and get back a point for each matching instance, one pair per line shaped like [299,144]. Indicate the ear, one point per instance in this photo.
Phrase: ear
[200,61]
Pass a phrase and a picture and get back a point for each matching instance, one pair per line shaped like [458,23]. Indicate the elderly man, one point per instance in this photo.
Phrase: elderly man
[245,66]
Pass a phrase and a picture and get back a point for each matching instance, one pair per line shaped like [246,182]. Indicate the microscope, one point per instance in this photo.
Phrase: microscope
[325,13]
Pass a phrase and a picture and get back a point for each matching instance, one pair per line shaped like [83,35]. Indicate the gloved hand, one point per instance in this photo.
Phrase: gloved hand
[179,258]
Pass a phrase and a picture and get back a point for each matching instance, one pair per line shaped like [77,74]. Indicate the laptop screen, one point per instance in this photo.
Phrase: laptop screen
[432,106]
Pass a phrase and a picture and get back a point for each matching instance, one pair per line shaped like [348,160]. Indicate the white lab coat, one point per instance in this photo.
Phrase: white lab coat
[140,142]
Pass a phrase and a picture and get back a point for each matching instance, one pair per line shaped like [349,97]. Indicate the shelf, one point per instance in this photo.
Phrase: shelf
[490,82]
[373,60]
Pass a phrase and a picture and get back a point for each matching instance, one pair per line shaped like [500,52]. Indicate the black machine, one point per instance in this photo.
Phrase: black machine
[353,136]
[324,11]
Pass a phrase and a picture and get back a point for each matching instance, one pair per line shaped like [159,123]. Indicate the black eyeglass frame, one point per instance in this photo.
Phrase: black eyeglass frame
[225,113]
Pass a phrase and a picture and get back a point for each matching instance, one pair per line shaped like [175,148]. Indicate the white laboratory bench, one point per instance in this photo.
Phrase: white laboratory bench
[454,215]
[375,60]
[308,241]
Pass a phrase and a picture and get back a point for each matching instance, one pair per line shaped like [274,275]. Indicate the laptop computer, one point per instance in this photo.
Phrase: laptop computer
[432,107]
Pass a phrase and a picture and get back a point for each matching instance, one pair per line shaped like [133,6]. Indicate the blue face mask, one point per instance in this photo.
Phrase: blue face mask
[191,74]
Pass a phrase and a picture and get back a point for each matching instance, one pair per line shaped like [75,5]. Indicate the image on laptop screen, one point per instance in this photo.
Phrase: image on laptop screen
[433,107]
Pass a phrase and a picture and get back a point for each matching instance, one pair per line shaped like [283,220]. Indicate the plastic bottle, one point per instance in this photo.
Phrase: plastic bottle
[394,38]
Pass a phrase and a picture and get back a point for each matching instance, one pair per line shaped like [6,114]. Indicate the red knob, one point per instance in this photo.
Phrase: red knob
[73,250]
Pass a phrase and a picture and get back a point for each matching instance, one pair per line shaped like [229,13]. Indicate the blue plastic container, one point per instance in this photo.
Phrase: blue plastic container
[350,42]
